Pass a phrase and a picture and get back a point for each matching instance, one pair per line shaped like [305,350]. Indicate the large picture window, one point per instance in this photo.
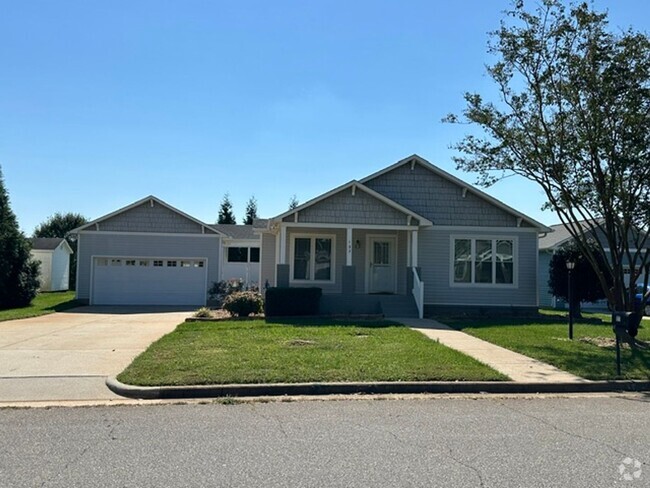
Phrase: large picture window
[313,258]
[484,261]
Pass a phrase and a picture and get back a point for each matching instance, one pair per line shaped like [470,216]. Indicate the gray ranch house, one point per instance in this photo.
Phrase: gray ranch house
[409,239]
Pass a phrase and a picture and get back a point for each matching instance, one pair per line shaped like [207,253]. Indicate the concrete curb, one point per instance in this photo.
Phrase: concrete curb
[280,389]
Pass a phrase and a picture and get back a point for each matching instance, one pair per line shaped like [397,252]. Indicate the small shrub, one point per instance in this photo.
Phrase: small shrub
[243,303]
[219,290]
[285,302]
[203,312]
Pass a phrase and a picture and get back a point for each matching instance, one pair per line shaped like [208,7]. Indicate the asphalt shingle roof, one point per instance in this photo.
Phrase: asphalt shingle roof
[235,231]
[45,243]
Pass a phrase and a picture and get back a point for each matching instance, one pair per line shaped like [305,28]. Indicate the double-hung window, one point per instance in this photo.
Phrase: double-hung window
[489,261]
[313,258]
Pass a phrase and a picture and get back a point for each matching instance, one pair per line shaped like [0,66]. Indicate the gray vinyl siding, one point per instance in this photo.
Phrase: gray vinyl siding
[438,199]
[147,218]
[267,256]
[435,263]
[545,298]
[138,245]
[343,207]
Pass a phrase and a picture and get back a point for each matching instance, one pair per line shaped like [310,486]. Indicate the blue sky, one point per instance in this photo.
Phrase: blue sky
[103,103]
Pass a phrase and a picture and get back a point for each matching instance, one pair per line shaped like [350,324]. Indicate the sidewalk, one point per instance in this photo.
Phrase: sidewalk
[518,367]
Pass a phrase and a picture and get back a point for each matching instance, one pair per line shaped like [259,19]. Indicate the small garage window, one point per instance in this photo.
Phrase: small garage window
[102,262]
[186,264]
[157,263]
[171,264]
[116,262]
[198,264]
[144,262]
[130,262]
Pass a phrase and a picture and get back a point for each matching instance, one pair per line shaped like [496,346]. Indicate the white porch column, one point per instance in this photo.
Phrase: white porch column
[348,257]
[283,244]
[414,249]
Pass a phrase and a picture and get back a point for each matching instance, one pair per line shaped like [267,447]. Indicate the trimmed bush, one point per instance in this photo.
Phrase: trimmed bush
[243,303]
[286,302]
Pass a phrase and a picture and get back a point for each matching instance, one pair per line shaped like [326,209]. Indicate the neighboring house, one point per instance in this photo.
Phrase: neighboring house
[241,253]
[548,244]
[410,233]
[54,256]
[148,253]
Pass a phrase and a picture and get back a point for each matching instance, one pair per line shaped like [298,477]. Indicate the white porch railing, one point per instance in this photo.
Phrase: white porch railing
[418,292]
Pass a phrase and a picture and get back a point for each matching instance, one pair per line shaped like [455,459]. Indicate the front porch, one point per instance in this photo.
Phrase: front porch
[361,269]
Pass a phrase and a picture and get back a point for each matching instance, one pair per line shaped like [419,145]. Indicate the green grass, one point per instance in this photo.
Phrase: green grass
[43,304]
[546,339]
[198,353]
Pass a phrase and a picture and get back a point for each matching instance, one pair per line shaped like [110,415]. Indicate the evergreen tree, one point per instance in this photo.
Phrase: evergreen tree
[60,225]
[18,272]
[251,211]
[293,202]
[226,216]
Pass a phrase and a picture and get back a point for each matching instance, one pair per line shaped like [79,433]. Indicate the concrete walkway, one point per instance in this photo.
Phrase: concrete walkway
[518,367]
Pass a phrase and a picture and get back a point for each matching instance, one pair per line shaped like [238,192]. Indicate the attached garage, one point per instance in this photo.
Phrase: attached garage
[145,281]
[148,253]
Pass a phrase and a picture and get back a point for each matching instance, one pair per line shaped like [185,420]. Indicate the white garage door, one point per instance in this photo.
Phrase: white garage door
[149,281]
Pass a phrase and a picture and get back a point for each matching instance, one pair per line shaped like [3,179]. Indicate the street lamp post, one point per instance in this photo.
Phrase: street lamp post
[569,266]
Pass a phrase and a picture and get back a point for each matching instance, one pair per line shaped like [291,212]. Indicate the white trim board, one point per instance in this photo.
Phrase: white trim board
[155,234]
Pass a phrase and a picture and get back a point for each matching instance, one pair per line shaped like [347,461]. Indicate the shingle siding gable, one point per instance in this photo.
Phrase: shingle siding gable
[438,199]
[147,218]
[343,207]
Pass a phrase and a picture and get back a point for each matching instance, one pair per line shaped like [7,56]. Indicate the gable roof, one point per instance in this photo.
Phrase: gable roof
[48,243]
[237,231]
[356,185]
[144,200]
[415,159]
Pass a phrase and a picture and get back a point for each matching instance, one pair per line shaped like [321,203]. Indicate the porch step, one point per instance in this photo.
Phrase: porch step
[398,306]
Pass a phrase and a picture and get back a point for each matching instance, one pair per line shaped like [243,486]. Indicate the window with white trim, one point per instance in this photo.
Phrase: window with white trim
[313,258]
[484,261]
[243,254]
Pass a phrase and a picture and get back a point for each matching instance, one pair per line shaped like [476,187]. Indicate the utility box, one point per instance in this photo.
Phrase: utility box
[621,321]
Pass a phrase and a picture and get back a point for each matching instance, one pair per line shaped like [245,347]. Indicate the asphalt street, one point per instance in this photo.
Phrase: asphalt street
[574,442]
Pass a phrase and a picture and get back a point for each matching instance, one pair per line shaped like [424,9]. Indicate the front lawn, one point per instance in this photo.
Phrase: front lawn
[590,355]
[198,353]
[43,304]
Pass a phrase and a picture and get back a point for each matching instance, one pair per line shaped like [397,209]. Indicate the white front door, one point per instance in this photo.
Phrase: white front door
[381,264]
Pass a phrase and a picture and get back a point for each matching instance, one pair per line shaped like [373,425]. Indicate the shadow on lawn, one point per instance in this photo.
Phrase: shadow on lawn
[460,323]
[329,321]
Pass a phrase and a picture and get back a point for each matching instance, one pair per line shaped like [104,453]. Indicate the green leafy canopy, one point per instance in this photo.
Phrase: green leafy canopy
[573,115]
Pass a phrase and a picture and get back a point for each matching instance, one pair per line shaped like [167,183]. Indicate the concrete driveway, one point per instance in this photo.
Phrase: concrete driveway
[67,356]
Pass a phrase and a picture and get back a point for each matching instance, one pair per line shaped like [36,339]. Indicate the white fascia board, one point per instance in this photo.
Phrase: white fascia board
[311,225]
[156,234]
[64,244]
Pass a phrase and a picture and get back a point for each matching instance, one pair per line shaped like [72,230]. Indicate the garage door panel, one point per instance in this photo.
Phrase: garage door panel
[148,285]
